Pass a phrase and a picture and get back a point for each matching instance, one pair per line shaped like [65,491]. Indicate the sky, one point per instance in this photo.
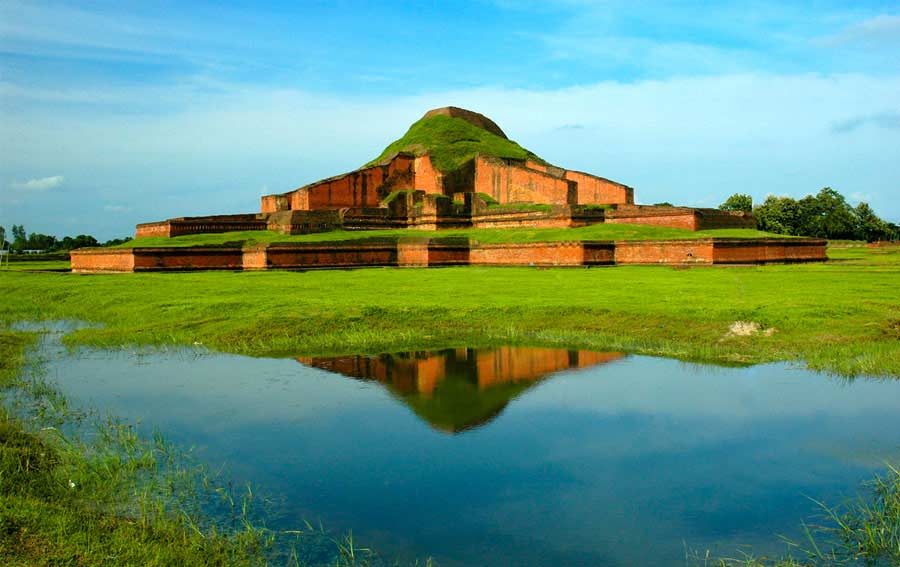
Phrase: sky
[114,113]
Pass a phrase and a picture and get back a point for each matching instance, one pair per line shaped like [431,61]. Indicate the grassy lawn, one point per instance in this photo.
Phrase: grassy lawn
[36,266]
[487,235]
[843,316]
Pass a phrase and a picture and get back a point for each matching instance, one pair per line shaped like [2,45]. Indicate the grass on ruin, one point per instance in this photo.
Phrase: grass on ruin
[487,235]
[451,142]
[842,316]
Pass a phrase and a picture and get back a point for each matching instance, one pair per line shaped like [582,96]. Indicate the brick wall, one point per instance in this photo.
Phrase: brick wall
[200,225]
[147,229]
[332,255]
[509,182]
[763,250]
[448,252]
[427,177]
[664,252]
[594,190]
[412,253]
[673,217]
[99,260]
[187,258]
[527,254]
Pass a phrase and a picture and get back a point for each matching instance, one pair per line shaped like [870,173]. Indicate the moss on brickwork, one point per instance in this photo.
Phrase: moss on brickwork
[451,142]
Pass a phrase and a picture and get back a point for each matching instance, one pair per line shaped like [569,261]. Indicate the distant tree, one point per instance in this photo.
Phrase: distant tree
[868,226]
[778,215]
[823,215]
[738,202]
[115,241]
[19,237]
[80,241]
[834,216]
[663,204]
[38,241]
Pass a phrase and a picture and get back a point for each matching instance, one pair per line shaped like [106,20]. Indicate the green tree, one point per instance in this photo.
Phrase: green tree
[738,202]
[836,218]
[778,215]
[868,226]
[38,241]
[19,237]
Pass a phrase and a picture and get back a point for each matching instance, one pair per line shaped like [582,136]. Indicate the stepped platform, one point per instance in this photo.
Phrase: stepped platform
[443,252]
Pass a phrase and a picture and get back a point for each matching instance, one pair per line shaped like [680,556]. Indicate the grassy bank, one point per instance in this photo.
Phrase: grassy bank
[63,503]
[843,316]
[487,235]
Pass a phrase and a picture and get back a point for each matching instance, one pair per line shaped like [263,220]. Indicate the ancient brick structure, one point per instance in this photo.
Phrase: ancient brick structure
[420,252]
[406,190]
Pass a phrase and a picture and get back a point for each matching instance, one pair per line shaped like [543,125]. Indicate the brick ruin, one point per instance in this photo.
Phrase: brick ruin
[445,252]
[406,190]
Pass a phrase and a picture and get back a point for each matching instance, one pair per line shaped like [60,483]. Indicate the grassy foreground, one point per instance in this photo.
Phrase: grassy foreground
[487,235]
[842,317]
[57,503]
[59,500]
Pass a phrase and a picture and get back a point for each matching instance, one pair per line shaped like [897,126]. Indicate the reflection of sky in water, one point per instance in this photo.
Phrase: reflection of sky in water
[615,464]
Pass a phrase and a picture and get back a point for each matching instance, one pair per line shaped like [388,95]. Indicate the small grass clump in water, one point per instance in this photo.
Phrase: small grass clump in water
[860,533]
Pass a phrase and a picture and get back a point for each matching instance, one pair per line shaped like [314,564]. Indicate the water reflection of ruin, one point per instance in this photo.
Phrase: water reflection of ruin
[459,389]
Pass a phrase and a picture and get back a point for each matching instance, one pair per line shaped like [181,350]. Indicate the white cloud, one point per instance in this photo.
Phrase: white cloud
[689,140]
[42,184]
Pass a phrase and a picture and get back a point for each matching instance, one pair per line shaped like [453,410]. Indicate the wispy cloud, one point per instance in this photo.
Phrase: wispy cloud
[116,209]
[888,120]
[42,184]
[882,29]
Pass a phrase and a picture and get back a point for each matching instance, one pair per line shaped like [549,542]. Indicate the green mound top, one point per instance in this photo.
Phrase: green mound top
[452,136]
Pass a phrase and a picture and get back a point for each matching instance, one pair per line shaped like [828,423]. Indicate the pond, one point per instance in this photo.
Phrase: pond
[513,456]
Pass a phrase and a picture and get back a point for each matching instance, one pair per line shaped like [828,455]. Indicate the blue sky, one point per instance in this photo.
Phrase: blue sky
[113,113]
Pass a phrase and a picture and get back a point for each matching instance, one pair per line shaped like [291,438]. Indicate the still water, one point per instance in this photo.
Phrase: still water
[514,456]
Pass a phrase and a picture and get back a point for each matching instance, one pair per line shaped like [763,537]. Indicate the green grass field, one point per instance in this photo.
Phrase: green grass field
[842,316]
[487,235]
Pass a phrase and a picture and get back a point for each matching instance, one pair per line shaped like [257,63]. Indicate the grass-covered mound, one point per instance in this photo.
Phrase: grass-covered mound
[486,235]
[452,142]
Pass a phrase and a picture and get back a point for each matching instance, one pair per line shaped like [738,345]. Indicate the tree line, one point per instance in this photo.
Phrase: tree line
[22,241]
[826,214]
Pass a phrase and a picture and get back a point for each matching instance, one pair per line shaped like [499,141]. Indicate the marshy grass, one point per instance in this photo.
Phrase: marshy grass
[863,532]
[81,488]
